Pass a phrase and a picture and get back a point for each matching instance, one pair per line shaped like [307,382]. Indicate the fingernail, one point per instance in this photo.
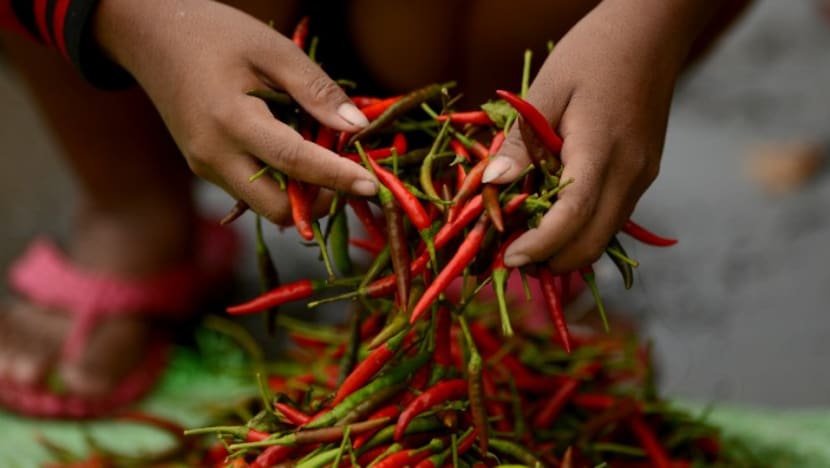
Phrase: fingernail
[516,260]
[351,114]
[496,168]
[365,187]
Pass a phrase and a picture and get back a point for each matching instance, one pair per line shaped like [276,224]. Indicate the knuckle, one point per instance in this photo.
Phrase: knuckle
[322,89]
[277,213]
[288,153]
[651,171]
[576,209]
[593,252]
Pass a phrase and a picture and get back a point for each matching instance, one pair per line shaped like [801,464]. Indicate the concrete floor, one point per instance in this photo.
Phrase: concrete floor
[738,310]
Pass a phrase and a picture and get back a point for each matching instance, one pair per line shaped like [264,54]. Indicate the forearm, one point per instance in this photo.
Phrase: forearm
[670,28]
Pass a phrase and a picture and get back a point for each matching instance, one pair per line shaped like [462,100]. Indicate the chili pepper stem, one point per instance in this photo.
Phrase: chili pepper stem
[343,444]
[499,281]
[590,279]
[324,251]
[616,253]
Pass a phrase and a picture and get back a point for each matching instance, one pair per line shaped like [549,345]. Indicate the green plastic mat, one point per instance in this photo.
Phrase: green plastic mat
[189,389]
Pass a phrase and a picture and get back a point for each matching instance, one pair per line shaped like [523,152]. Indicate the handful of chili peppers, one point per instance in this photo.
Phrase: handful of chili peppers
[427,379]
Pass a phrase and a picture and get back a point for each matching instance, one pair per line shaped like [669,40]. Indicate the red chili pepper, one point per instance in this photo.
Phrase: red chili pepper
[418,382]
[367,219]
[655,451]
[399,143]
[364,101]
[469,212]
[553,301]
[325,137]
[300,209]
[378,153]
[293,415]
[307,341]
[372,247]
[391,411]
[490,197]
[439,393]
[443,328]
[494,407]
[371,455]
[594,401]
[464,118]
[471,183]
[280,295]
[371,325]
[496,142]
[465,253]
[272,456]
[342,140]
[411,457]
[459,149]
[554,405]
[537,121]
[479,151]
[370,366]
[645,236]
[409,203]
[300,33]
[514,203]
[460,176]
[373,111]
[466,443]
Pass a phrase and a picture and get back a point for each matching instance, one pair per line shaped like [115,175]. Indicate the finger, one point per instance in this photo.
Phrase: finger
[588,246]
[616,203]
[282,148]
[548,94]
[263,195]
[322,204]
[290,69]
[574,208]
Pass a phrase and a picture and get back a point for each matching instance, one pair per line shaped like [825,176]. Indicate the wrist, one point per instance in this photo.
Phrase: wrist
[122,31]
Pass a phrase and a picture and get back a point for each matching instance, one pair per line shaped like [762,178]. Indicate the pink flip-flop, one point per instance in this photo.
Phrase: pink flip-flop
[43,275]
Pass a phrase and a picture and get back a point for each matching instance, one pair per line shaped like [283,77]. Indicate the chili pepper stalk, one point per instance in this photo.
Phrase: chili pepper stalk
[590,279]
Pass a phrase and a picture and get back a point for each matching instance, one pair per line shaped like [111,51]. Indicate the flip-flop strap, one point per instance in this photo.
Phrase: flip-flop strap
[46,277]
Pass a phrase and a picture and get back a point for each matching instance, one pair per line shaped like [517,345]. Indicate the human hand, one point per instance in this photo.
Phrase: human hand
[196,59]
[607,86]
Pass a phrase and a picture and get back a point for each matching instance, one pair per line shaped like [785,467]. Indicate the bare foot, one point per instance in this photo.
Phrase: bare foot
[31,337]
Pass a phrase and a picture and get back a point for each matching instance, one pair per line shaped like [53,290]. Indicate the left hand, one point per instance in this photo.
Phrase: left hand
[607,87]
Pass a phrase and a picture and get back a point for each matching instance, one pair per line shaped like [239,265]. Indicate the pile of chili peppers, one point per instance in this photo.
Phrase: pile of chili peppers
[428,378]
[426,374]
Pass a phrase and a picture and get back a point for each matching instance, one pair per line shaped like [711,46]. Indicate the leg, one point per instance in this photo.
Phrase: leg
[134,219]
[136,215]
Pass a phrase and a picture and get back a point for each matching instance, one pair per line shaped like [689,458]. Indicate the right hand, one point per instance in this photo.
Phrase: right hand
[196,59]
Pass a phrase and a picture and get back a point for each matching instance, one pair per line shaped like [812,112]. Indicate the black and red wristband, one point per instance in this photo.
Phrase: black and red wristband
[65,25]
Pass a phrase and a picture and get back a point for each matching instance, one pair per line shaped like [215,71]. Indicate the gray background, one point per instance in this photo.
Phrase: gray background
[738,310]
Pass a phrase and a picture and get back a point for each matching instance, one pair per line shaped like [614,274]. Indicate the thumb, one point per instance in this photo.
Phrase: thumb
[510,161]
[311,87]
